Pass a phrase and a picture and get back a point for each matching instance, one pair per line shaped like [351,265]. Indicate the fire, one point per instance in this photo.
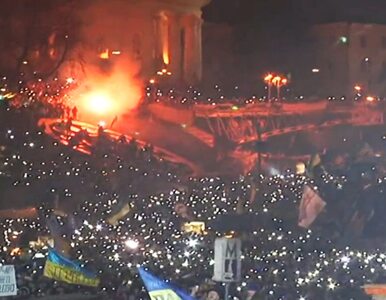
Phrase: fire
[165,38]
[99,102]
[165,56]
[105,96]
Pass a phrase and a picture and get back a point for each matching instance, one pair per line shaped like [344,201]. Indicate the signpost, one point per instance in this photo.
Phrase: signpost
[7,281]
[227,262]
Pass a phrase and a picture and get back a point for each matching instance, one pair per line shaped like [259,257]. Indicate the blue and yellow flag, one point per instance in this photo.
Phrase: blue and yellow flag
[161,290]
[61,268]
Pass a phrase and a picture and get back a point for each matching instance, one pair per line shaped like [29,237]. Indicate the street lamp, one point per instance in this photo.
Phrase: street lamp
[279,82]
[268,80]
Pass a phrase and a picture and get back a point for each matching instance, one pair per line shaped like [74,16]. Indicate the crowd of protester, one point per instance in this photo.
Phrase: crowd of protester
[78,195]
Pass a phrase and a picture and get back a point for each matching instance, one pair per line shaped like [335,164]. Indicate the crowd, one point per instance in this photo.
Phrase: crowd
[218,95]
[78,197]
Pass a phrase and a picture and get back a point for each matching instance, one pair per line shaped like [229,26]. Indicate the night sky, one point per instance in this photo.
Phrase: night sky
[274,34]
[295,11]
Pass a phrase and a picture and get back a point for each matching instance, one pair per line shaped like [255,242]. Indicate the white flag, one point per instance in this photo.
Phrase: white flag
[311,206]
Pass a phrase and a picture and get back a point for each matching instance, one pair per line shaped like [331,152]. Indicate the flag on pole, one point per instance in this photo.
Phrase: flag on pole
[60,268]
[311,206]
[314,162]
[159,289]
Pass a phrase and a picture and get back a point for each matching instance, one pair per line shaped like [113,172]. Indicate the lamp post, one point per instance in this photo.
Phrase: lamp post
[268,80]
[279,82]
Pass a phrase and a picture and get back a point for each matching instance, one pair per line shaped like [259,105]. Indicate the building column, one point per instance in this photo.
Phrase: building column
[175,50]
[198,25]
[192,65]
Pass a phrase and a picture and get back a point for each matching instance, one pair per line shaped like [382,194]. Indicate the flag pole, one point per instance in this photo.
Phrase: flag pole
[227,291]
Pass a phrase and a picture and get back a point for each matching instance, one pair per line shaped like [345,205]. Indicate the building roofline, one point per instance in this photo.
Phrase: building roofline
[351,22]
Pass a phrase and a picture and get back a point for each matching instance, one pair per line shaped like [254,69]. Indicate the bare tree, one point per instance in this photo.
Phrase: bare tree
[36,37]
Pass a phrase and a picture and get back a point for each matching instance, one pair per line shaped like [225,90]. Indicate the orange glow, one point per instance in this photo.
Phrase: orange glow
[100,95]
[98,102]
[70,80]
[268,78]
[370,98]
[358,88]
[15,252]
[375,289]
[104,54]
[116,52]
[164,30]
[165,56]
[276,80]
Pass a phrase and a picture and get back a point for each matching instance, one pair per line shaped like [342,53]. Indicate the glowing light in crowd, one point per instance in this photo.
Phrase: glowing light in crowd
[357,87]
[192,243]
[131,244]
[315,70]
[343,39]
[70,80]
[370,98]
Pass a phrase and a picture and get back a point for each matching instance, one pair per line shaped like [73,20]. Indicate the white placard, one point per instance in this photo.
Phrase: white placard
[227,260]
[7,281]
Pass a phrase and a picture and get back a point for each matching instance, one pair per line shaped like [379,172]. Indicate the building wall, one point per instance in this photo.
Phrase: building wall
[151,34]
[348,54]
[218,54]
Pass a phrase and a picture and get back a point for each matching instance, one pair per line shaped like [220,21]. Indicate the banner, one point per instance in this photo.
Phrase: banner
[61,268]
[194,227]
[311,206]
[227,260]
[7,281]
[161,290]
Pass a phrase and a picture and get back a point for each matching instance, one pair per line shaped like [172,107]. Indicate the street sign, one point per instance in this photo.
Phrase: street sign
[227,260]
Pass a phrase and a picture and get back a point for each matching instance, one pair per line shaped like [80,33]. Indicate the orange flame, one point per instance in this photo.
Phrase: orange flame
[165,56]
